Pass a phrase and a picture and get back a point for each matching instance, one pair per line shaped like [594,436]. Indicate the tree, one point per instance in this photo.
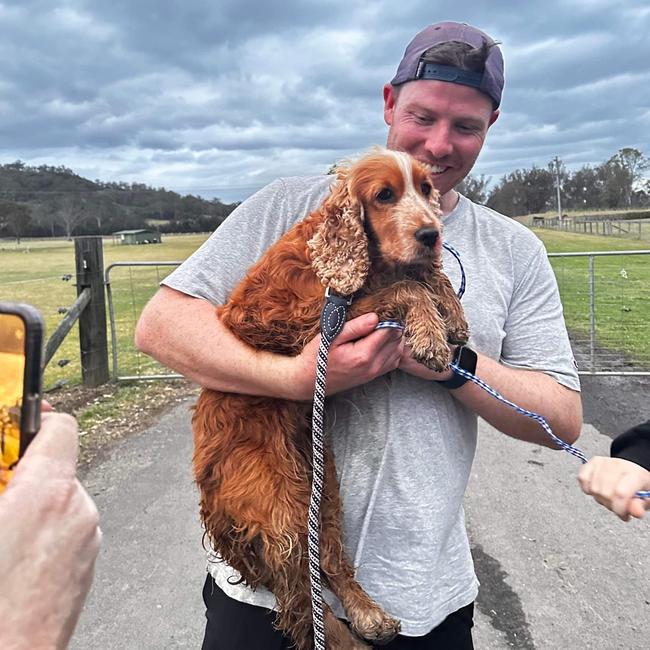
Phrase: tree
[475,189]
[623,171]
[616,185]
[15,218]
[72,211]
[524,191]
[583,189]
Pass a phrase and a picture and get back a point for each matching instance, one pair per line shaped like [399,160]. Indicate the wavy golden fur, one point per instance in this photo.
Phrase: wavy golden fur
[375,236]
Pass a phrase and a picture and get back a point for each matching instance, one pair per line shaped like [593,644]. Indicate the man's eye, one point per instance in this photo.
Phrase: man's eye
[422,119]
[426,188]
[385,195]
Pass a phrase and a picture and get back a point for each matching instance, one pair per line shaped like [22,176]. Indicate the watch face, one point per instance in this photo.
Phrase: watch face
[467,359]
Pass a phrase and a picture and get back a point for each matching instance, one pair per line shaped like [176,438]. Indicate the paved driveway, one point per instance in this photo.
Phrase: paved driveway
[558,572]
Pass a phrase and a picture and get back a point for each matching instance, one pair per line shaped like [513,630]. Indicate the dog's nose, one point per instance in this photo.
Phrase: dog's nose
[427,236]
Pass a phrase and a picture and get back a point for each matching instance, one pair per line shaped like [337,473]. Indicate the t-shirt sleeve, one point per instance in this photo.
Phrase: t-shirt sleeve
[217,266]
[634,445]
[536,336]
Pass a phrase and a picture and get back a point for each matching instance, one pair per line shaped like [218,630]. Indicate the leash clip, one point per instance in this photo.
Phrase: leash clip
[335,297]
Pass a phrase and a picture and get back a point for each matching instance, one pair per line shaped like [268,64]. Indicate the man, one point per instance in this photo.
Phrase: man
[49,541]
[404,437]
[614,481]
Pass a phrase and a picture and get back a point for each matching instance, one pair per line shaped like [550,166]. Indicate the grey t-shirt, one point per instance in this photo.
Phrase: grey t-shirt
[404,446]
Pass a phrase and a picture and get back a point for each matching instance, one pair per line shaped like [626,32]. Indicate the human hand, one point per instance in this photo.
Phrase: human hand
[358,354]
[50,539]
[408,364]
[613,483]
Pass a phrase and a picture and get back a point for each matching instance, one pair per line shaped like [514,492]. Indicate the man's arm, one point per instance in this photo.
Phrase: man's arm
[535,391]
[185,334]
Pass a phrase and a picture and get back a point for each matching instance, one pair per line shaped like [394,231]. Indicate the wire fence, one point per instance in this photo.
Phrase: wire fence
[625,228]
[606,299]
[42,272]
[52,295]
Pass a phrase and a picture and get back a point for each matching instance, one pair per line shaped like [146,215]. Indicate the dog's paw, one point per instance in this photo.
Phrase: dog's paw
[435,358]
[376,627]
[457,328]
[458,336]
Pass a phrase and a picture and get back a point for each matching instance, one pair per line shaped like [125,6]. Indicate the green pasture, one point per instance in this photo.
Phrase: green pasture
[33,271]
[621,292]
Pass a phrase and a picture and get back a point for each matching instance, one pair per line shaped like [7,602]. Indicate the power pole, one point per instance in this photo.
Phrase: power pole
[556,160]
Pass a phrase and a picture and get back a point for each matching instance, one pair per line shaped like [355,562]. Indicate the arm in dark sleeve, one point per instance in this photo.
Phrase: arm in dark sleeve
[634,445]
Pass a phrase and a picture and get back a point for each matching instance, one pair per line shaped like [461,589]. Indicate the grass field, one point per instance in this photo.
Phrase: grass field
[621,295]
[33,272]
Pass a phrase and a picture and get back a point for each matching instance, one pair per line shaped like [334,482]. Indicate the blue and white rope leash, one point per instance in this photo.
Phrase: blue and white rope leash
[642,494]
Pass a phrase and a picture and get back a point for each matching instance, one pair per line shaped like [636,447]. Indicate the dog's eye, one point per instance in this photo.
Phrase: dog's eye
[385,195]
[426,188]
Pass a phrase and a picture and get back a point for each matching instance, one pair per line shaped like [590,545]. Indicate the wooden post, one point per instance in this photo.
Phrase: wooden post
[89,260]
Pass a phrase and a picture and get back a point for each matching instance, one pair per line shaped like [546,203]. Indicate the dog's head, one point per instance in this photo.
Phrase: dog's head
[385,197]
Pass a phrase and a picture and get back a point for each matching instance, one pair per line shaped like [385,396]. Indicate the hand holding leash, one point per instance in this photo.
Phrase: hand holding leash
[360,353]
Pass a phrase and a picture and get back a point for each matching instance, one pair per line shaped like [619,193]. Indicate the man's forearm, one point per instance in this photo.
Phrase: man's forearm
[184,334]
[532,390]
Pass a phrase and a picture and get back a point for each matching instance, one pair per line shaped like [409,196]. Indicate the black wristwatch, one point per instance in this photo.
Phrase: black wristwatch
[466,359]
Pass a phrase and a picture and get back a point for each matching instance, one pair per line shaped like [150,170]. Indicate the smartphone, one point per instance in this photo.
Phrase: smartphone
[21,349]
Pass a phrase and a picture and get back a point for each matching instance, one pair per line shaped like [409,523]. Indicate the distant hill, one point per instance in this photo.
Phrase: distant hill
[54,201]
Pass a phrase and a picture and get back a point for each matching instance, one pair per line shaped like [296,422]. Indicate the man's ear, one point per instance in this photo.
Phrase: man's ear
[494,117]
[390,100]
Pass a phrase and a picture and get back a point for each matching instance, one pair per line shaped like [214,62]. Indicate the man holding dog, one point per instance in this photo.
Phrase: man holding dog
[404,436]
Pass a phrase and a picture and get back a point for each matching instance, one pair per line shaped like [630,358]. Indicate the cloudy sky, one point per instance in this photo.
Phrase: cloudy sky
[218,97]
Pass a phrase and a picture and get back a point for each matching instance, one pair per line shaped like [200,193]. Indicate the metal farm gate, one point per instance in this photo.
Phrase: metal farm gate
[606,300]
[128,290]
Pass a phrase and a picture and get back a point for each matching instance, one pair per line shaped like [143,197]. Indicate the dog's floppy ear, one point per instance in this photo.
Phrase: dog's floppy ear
[339,247]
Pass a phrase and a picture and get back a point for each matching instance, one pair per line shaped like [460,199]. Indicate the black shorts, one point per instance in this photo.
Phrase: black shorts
[232,625]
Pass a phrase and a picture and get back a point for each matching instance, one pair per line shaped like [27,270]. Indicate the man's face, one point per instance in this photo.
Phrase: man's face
[440,123]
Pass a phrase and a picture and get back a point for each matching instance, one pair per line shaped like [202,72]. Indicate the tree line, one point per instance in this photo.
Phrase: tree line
[615,184]
[53,201]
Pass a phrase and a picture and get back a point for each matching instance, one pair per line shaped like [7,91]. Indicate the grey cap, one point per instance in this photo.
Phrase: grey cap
[490,81]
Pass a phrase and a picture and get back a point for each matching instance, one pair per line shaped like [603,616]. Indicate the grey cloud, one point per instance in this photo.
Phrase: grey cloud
[223,97]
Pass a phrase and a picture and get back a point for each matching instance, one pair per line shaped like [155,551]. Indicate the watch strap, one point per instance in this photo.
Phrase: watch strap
[465,358]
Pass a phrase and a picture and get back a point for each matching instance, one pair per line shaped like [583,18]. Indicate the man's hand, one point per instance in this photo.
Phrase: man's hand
[358,354]
[50,539]
[613,483]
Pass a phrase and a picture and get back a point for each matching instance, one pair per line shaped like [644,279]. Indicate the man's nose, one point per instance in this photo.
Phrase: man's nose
[438,141]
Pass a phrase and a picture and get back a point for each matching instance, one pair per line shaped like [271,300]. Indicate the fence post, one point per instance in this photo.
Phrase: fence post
[89,261]
[592,314]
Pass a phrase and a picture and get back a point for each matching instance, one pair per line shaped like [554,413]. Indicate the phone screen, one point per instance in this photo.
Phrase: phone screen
[12,378]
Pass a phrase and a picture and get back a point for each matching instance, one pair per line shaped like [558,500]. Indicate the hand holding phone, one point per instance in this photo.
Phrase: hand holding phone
[21,343]
[49,541]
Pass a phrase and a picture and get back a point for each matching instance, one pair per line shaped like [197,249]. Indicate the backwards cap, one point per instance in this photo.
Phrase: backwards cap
[411,67]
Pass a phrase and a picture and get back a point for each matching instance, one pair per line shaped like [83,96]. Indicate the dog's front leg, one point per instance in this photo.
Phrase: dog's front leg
[413,304]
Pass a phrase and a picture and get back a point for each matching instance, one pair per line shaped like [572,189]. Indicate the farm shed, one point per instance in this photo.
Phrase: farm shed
[141,236]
